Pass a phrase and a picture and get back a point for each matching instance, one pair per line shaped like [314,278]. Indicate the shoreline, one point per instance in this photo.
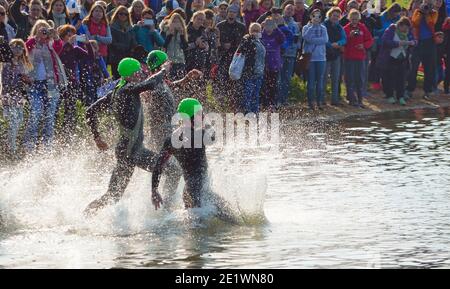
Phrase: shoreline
[375,104]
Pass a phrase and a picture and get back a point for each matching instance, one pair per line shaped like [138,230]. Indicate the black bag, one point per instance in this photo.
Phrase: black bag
[302,63]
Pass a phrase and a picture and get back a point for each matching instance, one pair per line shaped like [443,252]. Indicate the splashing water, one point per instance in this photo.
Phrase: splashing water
[50,193]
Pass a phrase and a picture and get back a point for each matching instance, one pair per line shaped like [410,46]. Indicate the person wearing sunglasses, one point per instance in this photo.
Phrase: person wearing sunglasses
[123,39]
[24,21]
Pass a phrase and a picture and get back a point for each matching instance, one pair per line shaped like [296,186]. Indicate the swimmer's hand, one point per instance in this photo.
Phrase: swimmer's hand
[101,144]
[167,66]
[156,199]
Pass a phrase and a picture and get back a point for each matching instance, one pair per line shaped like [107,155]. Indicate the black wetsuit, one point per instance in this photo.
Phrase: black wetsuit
[193,162]
[126,105]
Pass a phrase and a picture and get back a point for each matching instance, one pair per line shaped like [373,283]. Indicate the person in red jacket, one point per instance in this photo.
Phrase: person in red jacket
[359,40]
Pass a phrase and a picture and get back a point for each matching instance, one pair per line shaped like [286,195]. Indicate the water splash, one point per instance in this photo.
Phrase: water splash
[50,193]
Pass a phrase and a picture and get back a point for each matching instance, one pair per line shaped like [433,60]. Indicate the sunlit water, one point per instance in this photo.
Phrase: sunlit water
[365,192]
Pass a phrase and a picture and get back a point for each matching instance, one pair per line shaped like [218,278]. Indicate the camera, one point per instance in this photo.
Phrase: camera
[355,32]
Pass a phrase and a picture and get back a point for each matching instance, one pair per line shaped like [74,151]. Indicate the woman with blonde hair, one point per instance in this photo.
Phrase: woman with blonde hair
[176,42]
[14,82]
[48,77]
[136,9]
[123,40]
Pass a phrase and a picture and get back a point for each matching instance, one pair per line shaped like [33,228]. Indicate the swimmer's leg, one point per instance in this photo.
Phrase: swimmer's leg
[119,181]
[146,160]
[223,208]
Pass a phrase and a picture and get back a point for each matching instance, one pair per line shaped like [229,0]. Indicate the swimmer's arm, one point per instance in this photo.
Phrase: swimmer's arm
[192,75]
[148,84]
[92,113]
[163,157]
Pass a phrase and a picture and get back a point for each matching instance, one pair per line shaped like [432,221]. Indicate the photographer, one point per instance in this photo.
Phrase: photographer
[197,45]
[145,32]
[423,22]
[359,40]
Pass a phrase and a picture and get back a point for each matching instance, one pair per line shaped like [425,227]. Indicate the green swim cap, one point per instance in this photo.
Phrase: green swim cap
[156,58]
[189,106]
[128,66]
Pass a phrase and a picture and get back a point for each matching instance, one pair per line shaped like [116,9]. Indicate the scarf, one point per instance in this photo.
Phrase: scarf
[401,35]
[59,19]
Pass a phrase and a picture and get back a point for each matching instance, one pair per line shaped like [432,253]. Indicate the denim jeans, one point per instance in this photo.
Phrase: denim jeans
[354,80]
[315,88]
[366,74]
[43,105]
[286,73]
[252,88]
[14,116]
[334,71]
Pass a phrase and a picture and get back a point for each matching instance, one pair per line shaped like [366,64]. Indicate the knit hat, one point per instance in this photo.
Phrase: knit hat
[233,8]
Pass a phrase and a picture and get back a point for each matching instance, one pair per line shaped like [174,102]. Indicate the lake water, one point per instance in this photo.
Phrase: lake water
[362,193]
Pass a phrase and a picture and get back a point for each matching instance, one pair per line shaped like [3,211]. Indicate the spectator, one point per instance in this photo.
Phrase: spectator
[273,39]
[145,31]
[175,44]
[198,47]
[446,29]
[193,6]
[58,13]
[71,56]
[85,8]
[222,12]
[352,4]
[359,40]
[48,78]
[93,73]
[26,21]
[301,14]
[136,9]
[250,11]
[97,28]
[265,6]
[211,36]
[111,8]
[315,38]
[423,22]
[253,73]
[167,10]
[123,40]
[14,90]
[393,59]
[336,43]
[440,44]
[289,54]
[6,31]
[231,32]
[74,16]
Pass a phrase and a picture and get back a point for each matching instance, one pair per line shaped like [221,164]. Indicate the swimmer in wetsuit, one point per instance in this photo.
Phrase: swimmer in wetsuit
[192,159]
[193,162]
[125,103]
